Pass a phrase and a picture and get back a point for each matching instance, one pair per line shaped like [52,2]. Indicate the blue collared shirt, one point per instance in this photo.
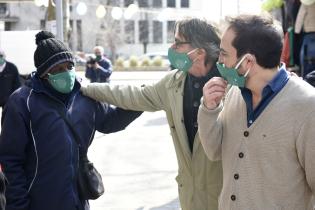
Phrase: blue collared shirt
[268,93]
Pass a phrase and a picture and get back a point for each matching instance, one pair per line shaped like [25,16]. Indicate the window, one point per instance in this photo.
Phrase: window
[143,31]
[3,8]
[157,32]
[170,31]
[184,3]
[157,3]
[130,31]
[113,3]
[143,3]
[127,2]
[7,26]
[79,35]
[171,3]
[69,35]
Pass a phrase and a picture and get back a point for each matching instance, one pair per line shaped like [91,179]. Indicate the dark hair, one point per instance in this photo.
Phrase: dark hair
[202,35]
[258,36]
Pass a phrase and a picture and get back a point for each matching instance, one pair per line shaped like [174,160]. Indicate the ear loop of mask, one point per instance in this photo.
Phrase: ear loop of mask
[239,63]
[192,51]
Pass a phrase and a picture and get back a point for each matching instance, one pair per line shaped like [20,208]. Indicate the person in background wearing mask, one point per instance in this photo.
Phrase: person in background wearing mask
[98,68]
[9,79]
[38,152]
[194,54]
[263,130]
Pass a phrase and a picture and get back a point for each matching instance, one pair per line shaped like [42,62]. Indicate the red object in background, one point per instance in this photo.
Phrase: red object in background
[285,55]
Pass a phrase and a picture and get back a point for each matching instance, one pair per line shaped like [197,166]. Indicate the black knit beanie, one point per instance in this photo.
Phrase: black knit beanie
[50,52]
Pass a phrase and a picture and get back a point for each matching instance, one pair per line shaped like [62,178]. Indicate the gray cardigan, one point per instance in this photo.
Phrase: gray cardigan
[271,164]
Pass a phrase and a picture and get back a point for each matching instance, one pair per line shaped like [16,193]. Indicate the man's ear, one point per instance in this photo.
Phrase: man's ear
[201,51]
[250,60]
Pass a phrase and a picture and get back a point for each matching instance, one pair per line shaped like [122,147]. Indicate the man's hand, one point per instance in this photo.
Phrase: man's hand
[213,92]
[96,66]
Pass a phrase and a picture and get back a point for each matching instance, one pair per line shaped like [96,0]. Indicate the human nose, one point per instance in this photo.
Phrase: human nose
[221,59]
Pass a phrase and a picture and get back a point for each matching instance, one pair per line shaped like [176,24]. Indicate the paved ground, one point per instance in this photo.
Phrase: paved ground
[138,164]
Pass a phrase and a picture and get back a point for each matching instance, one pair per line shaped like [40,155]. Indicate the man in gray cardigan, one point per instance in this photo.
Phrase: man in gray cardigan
[263,130]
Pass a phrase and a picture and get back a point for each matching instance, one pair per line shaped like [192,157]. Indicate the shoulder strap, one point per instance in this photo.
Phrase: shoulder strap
[76,136]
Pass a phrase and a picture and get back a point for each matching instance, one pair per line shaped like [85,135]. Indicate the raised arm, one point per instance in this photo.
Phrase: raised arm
[110,119]
[209,122]
[144,98]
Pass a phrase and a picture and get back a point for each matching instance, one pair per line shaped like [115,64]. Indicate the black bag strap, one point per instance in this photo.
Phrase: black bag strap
[82,154]
[76,136]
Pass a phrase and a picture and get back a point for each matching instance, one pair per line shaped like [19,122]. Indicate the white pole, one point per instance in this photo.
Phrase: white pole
[238,7]
[59,19]
[221,10]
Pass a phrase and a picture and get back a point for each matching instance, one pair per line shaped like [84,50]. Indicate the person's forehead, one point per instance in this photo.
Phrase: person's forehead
[227,39]
[179,36]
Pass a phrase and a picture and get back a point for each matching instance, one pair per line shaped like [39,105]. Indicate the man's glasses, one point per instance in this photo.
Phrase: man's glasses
[179,43]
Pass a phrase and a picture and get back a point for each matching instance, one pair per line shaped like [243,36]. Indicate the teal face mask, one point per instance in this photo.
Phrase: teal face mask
[231,74]
[2,61]
[62,82]
[180,61]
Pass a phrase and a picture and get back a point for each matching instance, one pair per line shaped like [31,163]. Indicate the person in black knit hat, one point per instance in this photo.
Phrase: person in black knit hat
[50,52]
[38,151]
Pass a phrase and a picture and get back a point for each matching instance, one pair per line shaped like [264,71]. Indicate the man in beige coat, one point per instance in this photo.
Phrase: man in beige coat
[194,53]
[264,130]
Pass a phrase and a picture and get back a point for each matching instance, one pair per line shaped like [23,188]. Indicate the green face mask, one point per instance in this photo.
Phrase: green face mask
[2,61]
[62,82]
[231,74]
[98,57]
[180,61]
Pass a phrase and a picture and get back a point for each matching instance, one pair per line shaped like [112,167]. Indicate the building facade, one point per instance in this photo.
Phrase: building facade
[151,29]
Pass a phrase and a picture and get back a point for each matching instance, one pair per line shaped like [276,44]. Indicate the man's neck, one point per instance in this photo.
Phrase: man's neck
[259,82]
[200,70]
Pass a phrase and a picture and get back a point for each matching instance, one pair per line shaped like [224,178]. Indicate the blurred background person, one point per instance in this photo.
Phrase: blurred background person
[98,68]
[9,79]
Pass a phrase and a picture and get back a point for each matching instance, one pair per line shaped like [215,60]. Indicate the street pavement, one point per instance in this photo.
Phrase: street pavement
[138,164]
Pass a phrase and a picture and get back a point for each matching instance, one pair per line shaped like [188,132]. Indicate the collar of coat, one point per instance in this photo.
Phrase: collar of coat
[176,79]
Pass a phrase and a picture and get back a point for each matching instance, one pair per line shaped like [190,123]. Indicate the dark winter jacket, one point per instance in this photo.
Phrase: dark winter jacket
[9,82]
[37,149]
